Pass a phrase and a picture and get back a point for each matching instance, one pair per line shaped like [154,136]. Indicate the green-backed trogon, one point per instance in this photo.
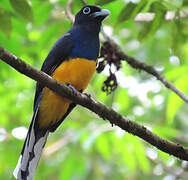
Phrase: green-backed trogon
[72,61]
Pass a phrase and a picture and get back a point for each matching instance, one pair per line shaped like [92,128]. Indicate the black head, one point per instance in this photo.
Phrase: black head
[91,14]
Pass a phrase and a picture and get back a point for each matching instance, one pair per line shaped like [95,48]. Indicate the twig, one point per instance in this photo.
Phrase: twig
[149,69]
[132,61]
[175,171]
[69,137]
[84,2]
[49,150]
[106,113]
[68,11]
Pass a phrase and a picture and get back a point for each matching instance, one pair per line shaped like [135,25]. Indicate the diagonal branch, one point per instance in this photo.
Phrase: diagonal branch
[134,63]
[149,69]
[104,112]
[142,66]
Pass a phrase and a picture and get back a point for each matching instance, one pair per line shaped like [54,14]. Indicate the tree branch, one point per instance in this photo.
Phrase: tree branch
[117,52]
[130,60]
[68,11]
[98,108]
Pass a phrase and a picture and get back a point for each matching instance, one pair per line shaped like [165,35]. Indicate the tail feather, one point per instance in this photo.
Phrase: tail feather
[31,152]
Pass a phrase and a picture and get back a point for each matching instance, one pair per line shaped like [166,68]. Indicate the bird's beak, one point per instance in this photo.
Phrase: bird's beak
[102,13]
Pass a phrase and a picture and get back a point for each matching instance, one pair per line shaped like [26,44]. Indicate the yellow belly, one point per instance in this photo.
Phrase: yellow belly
[78,72]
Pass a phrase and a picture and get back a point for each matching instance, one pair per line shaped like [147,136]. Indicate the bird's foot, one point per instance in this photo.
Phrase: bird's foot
[88,95]
[74,90]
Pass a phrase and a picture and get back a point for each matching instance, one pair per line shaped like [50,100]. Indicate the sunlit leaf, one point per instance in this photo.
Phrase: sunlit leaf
[5,4]
[172,5]
[165,131]
[73,166]
[122,103]
[174,102]
[140,155]
[105,148]
[126,150]
[45,9]
[176,72]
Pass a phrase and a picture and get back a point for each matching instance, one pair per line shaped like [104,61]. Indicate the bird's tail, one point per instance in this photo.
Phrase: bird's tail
[31,152]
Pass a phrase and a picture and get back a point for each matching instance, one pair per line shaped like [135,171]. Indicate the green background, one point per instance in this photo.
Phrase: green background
[85,146]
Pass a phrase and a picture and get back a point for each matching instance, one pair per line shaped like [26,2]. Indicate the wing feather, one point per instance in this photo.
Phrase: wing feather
[59,53]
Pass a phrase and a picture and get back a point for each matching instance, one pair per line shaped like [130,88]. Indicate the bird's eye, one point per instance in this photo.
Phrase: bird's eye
[86,10]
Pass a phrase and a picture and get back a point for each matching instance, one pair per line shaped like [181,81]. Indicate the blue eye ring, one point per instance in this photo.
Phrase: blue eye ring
[86,10]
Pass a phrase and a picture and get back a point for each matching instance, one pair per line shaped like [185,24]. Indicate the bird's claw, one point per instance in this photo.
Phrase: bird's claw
[88,95]
[74,90]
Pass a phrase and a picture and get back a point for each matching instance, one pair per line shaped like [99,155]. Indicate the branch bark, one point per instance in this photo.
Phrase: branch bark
[149,69]
[104,112]
[68,11]
[134,63]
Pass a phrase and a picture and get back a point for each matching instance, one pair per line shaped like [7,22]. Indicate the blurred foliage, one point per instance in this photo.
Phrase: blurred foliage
[84,146]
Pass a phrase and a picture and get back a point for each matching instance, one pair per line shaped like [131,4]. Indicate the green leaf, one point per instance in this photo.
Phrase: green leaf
[174,102]
[105,148]
[5,5]
[23,8]
[176,72]
[131,10]
[6,24]
[172,5]
[185,3]
[47,35]
[73,166]
[140,154]
[165,131]
[102,2]
[45,9]
[126,12]
[157,7]
[150,28]
[179,33]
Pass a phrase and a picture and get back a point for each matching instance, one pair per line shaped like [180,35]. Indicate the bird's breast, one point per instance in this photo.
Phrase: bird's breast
[77,72]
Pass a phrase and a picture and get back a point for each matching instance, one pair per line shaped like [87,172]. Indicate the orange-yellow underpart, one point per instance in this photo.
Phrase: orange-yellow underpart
[78,72]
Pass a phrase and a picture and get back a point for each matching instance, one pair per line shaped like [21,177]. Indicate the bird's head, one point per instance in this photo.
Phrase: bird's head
[91,14]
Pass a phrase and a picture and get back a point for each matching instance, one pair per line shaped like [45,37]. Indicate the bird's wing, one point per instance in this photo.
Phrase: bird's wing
[36,137]
[59,53]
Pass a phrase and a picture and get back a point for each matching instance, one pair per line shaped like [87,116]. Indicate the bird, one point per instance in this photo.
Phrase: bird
[72,61]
